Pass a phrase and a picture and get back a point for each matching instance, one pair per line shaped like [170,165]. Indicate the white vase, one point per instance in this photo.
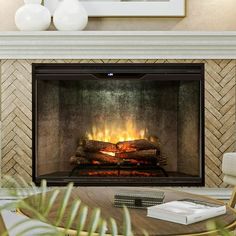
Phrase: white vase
[70,15]
[32,16]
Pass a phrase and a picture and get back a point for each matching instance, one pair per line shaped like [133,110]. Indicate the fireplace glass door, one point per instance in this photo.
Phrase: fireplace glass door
[118,124]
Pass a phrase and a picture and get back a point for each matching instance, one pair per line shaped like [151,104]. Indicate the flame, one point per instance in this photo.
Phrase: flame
[116,132]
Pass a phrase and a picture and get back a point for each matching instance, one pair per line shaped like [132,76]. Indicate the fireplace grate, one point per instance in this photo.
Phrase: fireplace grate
[118,167]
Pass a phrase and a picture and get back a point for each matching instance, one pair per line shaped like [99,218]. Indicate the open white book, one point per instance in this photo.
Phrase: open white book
[186,211]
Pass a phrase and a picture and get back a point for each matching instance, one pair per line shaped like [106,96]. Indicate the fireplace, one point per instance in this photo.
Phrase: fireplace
[118,124]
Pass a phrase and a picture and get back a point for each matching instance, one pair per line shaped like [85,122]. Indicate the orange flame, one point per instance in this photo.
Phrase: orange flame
[115,132]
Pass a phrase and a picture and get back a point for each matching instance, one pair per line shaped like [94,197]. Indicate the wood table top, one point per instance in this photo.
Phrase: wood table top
[102,197]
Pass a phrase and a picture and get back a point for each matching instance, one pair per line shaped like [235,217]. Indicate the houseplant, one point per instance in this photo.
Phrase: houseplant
[97,223]
[76,214]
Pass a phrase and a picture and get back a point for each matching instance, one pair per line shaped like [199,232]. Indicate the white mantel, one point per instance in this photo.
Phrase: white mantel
[118,45]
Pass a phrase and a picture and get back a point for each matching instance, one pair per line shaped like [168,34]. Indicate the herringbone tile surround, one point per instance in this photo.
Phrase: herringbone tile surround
[220,103]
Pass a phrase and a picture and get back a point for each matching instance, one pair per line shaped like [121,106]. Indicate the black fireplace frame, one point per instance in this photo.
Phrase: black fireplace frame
[169,71]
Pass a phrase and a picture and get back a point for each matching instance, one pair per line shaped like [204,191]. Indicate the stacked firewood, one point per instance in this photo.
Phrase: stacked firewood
[139,151]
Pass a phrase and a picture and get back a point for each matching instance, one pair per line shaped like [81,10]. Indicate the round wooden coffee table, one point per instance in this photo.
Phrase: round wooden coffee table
[102,197]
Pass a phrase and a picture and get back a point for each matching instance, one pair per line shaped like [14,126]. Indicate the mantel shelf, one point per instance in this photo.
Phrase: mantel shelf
[118,45]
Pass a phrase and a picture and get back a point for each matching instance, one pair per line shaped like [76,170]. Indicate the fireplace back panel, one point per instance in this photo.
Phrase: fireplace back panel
[67,106]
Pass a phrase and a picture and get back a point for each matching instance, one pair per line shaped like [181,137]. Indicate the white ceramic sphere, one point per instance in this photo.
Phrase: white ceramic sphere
[32,16]
[70,16]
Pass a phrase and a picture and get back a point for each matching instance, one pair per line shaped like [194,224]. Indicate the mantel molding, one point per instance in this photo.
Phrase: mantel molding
[118,45]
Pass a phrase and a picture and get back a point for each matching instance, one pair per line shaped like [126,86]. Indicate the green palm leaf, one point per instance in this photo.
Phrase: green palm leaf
[45,202]
[145,233]
[37,215]
[217,226]
[114,230]
[43,195]
[16,225]
[127,223]
[64,204]
[82,220]
[50,230]
[94,221]
[72,215]
[51,202]
[103,228]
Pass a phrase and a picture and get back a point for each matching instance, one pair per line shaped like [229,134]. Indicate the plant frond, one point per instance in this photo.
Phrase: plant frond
[94,221]
[145,233]
[82,219]
[114,230]
[72,215]
[64,203]
[41,205]
[43,195]
[103,228]
[9,182]
[9,206]
[51,230]
[37,215]
[127,223]
[51,201]
[221,231]
[20,223]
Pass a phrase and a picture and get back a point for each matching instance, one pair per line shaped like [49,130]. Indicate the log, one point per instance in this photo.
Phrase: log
[100,158]
[139,162]
[135,145]
[155,140]
[103,158]
[162,162]
[96,146]
[74,160]
[139,155]
[80,152]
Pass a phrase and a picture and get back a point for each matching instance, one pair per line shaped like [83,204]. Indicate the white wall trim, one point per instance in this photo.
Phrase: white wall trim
[217,193]
[118,45]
